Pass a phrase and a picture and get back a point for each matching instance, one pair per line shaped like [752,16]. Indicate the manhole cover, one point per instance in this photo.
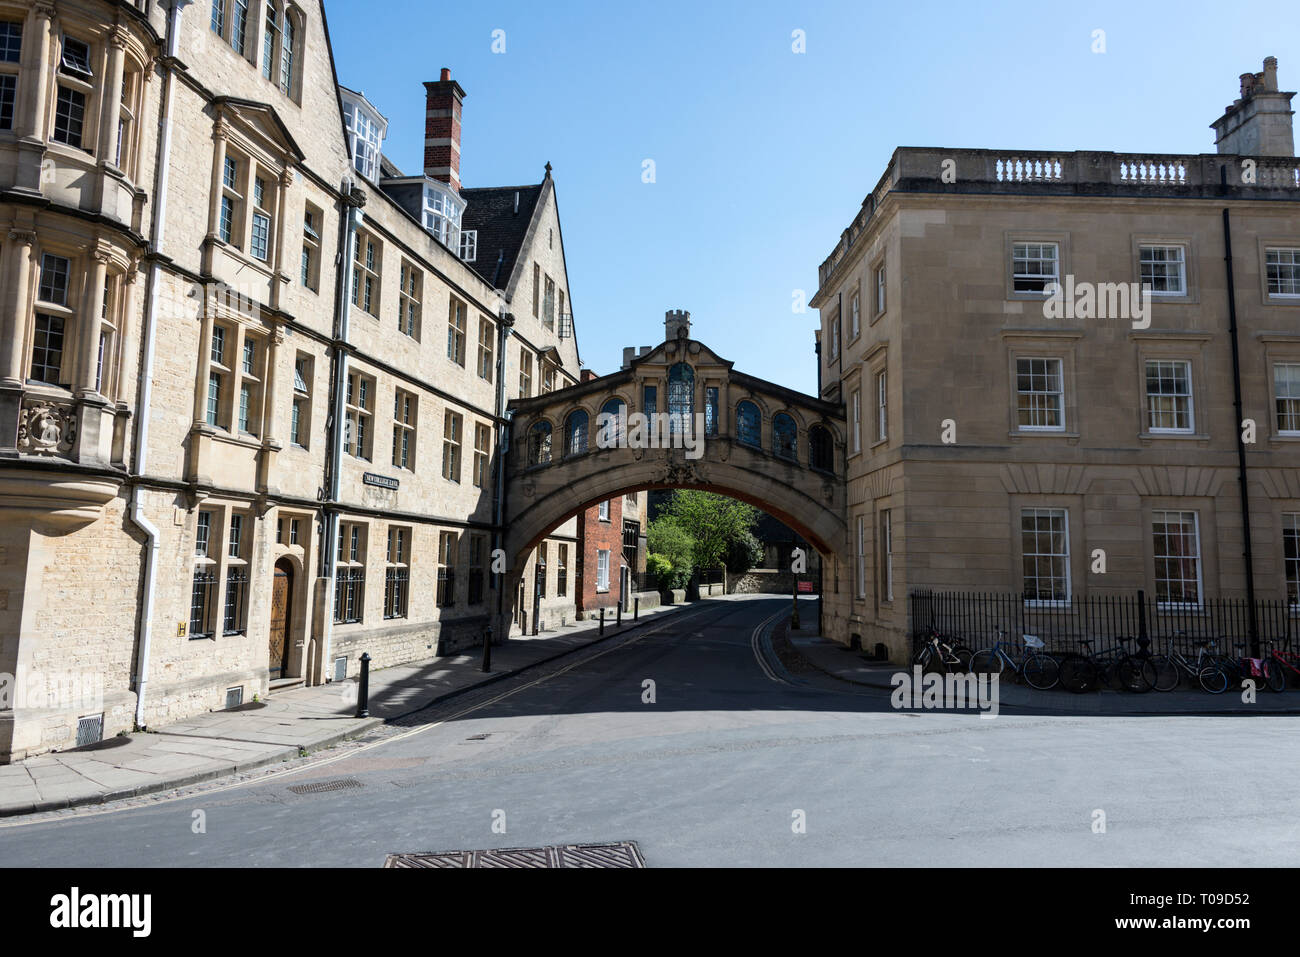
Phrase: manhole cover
[318,787]
[621,854]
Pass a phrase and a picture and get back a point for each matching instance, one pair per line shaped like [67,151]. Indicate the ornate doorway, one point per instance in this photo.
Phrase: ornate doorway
[281,600]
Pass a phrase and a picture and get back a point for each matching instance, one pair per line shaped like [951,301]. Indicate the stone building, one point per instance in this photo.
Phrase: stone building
[1022,414]
[252,375]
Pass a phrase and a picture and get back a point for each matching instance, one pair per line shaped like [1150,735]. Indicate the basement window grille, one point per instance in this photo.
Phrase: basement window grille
[234,697]
[90,730]
[341,668]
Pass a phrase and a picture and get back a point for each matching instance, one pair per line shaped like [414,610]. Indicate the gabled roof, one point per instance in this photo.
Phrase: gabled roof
[501,230]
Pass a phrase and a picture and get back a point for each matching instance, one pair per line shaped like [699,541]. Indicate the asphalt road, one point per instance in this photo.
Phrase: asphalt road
[722,767]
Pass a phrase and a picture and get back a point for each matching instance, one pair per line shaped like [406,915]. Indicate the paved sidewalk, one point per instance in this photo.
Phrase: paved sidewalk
[852,666]
[221,743]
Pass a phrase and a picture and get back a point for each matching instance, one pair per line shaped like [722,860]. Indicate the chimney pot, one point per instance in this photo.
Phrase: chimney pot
[446,75]
[1259,123]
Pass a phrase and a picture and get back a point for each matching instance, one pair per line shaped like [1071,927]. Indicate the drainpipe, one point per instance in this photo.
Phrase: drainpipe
[1241,445]
[352,218]
[505,326]
[145,389]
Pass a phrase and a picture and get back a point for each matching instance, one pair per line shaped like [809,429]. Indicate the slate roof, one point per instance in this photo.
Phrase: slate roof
[501,231]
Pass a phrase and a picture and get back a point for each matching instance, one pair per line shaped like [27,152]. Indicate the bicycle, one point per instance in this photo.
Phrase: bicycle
[1277,664]
[1039,670]
[1116,667]
[1170,668]
[942,654]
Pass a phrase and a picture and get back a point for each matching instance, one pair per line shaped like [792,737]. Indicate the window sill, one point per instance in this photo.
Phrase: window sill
[1071,438]
[1146,438]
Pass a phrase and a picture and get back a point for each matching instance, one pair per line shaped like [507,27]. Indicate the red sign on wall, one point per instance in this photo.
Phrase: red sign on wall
[805,588]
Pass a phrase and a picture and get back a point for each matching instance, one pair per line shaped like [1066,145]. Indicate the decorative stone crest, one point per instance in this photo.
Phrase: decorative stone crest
[45,428]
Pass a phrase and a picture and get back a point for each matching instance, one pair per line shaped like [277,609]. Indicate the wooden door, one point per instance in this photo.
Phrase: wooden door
[280,600]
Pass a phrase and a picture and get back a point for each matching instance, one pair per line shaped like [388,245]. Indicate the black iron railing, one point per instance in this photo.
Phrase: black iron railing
[976,617]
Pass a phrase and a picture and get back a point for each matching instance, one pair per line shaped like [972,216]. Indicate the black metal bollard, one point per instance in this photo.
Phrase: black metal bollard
[602,622]
[618,622]
[794,607]
[636,608]
[487,649]
[363,693]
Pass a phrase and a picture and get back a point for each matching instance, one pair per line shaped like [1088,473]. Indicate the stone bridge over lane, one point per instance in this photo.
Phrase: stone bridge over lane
[716,429]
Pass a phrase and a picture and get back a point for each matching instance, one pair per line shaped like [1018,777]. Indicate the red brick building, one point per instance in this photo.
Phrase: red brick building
[600,575]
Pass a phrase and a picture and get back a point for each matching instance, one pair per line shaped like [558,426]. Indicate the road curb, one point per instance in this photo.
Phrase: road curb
[288,751]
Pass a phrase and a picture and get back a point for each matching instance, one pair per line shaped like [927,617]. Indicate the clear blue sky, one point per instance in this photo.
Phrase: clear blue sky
[763,155]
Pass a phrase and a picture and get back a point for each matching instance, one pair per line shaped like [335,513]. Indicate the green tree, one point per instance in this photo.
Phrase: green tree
[671,554]
[714,521]
[744,553]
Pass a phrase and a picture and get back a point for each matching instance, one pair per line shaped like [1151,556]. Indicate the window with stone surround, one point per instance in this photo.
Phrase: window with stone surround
[203,585]
[405,409]
[408,306]
[1169,395]
[548,304]
[1282,269]
[1163,269]
[537,288]
[482,454]
[367,268]
[280,46]
[562,571]
[452,423]
[1291,556]
[11,50]
[477,555]
[540,571]
[487,333]
[886,555]
[456,331]
[239,541]
[230,21]
[358,414]
[350,574]
[1177,550]
[1035,266]
[55,317]
[312,222]
[251,375]
[1040,393]
[525,372]
[73,92]
[1045,554]
[300,414]
[397,572]
[447,546]
[1286,397]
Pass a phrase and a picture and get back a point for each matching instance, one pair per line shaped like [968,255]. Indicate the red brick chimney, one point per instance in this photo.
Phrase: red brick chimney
[442,129]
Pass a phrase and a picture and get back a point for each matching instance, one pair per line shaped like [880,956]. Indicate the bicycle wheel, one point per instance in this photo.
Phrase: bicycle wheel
[1136,675]
[1041,672]
[1274,675]
[986,662]
[1213,679]
[960,659]
[1078,674]
[1166,673]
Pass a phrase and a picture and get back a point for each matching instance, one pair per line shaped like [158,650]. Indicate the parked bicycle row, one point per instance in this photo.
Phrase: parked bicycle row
[1127,665]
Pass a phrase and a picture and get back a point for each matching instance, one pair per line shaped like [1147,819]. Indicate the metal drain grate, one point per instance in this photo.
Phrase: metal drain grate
[620,854]
[319,787]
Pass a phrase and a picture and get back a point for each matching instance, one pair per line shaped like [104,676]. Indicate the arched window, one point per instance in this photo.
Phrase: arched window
[539,443]
[681,398]
[575,433]
[820,455]
[612,423]
[785,437]
[749,425]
